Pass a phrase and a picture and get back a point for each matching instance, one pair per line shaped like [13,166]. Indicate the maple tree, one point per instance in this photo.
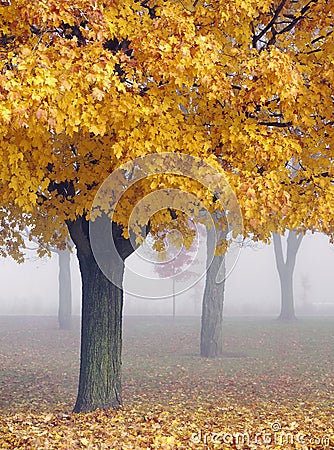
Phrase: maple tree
[86,86]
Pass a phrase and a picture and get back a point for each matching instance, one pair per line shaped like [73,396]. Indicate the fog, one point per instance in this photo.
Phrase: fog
[252,288]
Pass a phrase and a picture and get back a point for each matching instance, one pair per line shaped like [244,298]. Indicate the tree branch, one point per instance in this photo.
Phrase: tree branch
[257,37]
[277,124]
[78,235]
[293,242]
[277,239]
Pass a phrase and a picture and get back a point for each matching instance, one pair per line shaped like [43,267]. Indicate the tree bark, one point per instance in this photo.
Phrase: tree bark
[211,344]
[212,312]
[285,270]
[101,327]
[65,290]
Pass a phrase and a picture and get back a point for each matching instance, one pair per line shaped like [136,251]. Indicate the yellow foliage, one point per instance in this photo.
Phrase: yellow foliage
[246,86]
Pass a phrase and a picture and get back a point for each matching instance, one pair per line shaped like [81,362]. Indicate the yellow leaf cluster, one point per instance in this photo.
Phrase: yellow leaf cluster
[246,86]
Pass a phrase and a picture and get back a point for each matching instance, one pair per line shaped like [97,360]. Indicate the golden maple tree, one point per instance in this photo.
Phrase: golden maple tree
[86,86]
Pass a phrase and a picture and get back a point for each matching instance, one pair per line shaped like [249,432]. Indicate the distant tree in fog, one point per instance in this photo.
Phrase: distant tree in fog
[285,268]
[176,267]
[63,252]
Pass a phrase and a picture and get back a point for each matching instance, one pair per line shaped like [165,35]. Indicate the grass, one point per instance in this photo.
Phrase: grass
[271,373]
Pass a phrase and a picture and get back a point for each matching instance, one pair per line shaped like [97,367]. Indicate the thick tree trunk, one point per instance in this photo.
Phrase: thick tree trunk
[212,312]
[101,329]
[285,270]
[65,290]
[101,340]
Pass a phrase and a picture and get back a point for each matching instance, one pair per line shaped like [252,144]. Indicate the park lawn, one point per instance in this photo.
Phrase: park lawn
[272,388]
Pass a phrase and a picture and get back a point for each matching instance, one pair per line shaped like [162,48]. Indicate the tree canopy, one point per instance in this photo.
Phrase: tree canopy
[245,86]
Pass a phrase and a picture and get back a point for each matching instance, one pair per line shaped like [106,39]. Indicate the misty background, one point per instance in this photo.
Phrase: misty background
[252,288]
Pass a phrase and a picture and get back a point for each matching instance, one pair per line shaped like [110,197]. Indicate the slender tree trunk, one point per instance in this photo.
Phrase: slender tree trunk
[213,298]
[212,312]
[174,299]
[101,328]
[65,290]
[285,270]
[287,300]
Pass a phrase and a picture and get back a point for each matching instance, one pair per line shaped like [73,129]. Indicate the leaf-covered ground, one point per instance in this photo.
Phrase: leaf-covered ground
[273,388]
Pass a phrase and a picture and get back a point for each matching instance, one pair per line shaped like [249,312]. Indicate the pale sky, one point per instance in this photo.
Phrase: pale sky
[252,287]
